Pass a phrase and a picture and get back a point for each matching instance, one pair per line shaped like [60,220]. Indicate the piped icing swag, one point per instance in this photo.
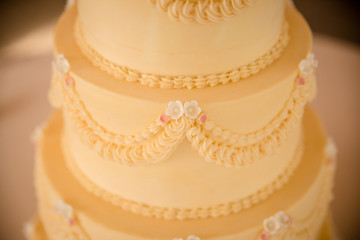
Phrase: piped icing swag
[216,144]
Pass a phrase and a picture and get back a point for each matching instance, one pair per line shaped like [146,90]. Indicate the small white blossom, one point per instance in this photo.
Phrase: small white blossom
[28,229]
[192,109]
[331,149]
[61,65]
[313,60]
[36,134]
[69,3]
[63,209]
[193,237]
[283,219]
[308,65]
[271,225]
[175,109]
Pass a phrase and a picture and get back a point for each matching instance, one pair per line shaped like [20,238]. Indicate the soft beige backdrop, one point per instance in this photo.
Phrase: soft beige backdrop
[24,80]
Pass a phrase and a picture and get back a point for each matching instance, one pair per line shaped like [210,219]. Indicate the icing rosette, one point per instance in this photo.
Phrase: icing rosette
[202,11]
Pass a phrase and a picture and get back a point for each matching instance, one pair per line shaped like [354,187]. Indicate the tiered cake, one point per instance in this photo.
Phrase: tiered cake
[183,119]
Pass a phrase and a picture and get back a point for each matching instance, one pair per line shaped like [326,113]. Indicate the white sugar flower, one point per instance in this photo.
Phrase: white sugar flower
[175,109]
[63,209]
[331,149]
[61,65]
[192,109]
[193,237]
[28,229]
[283,219]
[36,134]
[271,225]
[69,3]
[307,65]
[312,59]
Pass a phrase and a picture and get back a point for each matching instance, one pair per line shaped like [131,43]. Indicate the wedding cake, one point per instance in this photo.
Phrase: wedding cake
[182,120]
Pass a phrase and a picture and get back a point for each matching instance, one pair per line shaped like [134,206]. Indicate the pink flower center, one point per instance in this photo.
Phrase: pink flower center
[332,160]
[301,81]
[164,118]
[264,236]
[69,81]
[203,118]
[72,222]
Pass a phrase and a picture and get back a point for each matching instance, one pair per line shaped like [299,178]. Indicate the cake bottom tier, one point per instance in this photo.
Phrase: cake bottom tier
[304,200]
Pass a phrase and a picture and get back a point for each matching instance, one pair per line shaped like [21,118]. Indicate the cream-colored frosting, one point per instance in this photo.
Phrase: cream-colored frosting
[100,196]
[305,199]
[135,34]
[125,108]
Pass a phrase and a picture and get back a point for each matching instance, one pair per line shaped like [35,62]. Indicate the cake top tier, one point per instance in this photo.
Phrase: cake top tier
[180,37]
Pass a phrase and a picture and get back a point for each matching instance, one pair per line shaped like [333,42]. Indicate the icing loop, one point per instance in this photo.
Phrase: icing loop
[181,81]
[201,11]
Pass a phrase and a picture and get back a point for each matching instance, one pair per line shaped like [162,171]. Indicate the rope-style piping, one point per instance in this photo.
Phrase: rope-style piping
[263,142]
[201,11]
[213,211]
[182,81]
[308,225]
[158,141]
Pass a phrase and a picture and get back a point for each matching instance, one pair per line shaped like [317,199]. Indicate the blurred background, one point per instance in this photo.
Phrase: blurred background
[25,58]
